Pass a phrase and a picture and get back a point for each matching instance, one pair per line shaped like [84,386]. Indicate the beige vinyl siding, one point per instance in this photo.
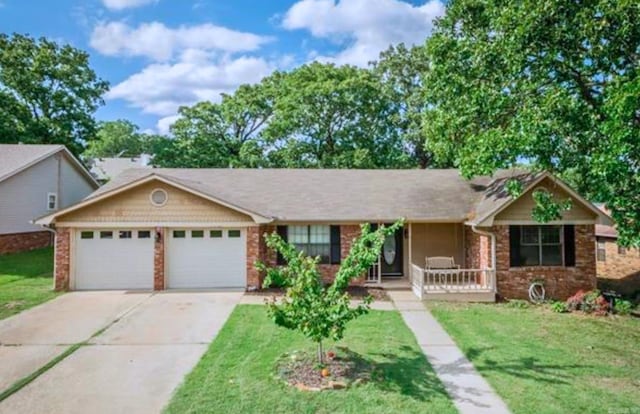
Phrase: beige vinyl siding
[134,205]
[23,197]
[520,210]
[74,185]
[434,239]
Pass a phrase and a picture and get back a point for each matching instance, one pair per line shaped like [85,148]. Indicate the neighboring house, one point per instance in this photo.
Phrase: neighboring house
[104,169]
[203,228]
[618,267]
[36,180]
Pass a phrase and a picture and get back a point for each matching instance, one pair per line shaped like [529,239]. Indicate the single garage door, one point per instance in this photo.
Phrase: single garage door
[114,259]
[206,258]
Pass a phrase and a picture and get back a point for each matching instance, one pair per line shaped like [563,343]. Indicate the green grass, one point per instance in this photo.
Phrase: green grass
[236,373]
[25,280]
[544,362]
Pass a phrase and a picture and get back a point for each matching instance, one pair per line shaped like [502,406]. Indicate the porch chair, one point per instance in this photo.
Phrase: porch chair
[441,263]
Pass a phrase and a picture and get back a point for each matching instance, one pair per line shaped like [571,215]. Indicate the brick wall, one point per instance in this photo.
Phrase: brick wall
[158,259]
[257,250]
[560,282]
[477,250]
[62,259]
[619,272]
[22,242]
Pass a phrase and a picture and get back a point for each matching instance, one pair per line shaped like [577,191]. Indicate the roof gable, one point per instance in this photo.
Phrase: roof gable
[15,158]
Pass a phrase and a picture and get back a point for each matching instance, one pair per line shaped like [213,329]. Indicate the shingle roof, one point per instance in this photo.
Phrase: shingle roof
[333,195]
[107,168]
[16,157]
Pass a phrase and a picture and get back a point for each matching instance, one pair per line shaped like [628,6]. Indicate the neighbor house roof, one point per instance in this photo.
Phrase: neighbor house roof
[331,195]
[603,230]
[15,158]
[106,168]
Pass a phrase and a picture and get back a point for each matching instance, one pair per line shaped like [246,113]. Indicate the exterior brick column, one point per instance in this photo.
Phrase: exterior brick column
[62,259]
[158,259]
[254,250]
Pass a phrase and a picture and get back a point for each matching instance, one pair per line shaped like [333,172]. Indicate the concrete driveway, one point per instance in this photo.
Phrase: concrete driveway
[150,342]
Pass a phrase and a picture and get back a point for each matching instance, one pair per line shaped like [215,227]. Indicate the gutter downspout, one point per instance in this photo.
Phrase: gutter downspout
[492,236]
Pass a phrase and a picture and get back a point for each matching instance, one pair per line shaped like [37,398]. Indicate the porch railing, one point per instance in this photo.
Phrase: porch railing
[459,280]
[416,277]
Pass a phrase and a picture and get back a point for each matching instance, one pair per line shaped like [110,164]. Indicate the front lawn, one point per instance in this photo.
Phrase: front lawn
[25,280]
[544,362]
[237,372]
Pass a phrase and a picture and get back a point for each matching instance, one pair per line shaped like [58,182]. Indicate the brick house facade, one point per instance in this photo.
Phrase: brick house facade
[22,242]
[618,268]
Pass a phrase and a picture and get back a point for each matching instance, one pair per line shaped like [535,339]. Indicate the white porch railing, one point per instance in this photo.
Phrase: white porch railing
[459,280]
[416,278]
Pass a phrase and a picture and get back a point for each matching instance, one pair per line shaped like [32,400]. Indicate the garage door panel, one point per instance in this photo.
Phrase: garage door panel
[114,259]
[214,260]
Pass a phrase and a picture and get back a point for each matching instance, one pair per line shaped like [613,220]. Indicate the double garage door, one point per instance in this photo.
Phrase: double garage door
[194,259]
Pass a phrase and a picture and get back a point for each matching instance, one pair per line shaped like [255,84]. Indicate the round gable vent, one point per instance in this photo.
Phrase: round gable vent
[159,197]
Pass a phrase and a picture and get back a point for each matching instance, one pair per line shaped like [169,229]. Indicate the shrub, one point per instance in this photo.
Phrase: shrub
[589,302]
[622,307]
[559,307]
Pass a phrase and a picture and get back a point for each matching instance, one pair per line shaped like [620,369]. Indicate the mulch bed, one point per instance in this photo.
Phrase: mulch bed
[356,292]
[345,369]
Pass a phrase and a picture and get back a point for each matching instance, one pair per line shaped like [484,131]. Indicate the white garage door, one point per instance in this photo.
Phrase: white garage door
[114,259]
[206,258]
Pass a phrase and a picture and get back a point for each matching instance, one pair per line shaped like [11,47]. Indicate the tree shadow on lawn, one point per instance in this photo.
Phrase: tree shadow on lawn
[530,368]
[406,372]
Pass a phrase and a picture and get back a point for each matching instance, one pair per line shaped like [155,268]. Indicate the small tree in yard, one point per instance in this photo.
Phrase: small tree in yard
[321,312]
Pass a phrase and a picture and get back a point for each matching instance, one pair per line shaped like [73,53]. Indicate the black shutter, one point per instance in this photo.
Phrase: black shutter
[335,245]
[569,245]
[514,246]
[282,232]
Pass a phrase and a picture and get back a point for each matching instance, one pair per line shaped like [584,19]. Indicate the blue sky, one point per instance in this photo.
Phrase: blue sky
[160,54]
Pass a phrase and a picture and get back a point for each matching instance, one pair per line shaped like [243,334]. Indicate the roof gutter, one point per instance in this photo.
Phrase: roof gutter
[491,236]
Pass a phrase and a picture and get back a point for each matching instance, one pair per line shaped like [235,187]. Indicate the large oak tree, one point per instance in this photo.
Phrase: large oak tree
[48,93]
[551,83]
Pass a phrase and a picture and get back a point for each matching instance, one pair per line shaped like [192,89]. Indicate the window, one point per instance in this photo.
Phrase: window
[124,234]
[179,234]
[601,251]
[144,234]
[86,235]
[234,233]
[622,251]
[313,240]
[215,234]
[537,246]
[106,235]
[197,234]
[52,201]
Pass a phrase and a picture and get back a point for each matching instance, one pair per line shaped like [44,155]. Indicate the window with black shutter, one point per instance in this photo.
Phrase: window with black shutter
[544,245]
[282,232]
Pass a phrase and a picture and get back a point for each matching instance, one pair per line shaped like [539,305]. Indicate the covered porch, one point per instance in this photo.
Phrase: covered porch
[437,261]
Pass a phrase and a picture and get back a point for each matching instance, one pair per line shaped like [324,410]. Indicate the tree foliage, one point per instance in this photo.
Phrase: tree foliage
[328,116]
[401,72]
[317,311]
[553,83]
[120,138]
[48,93]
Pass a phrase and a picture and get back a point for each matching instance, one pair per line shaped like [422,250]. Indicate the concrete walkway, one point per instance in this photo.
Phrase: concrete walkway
[469,391]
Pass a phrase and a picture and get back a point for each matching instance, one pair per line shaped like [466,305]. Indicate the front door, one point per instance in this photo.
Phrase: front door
[391,259]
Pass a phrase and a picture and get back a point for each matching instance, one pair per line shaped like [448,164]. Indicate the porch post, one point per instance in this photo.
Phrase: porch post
[410,249]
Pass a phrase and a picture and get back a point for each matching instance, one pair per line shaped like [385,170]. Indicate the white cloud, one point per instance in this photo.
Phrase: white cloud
[161,43]
[161,88]
[164,124]
[125,4]
[365,27]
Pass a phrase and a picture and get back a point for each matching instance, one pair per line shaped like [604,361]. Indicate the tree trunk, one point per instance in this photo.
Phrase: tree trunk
[320,353]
